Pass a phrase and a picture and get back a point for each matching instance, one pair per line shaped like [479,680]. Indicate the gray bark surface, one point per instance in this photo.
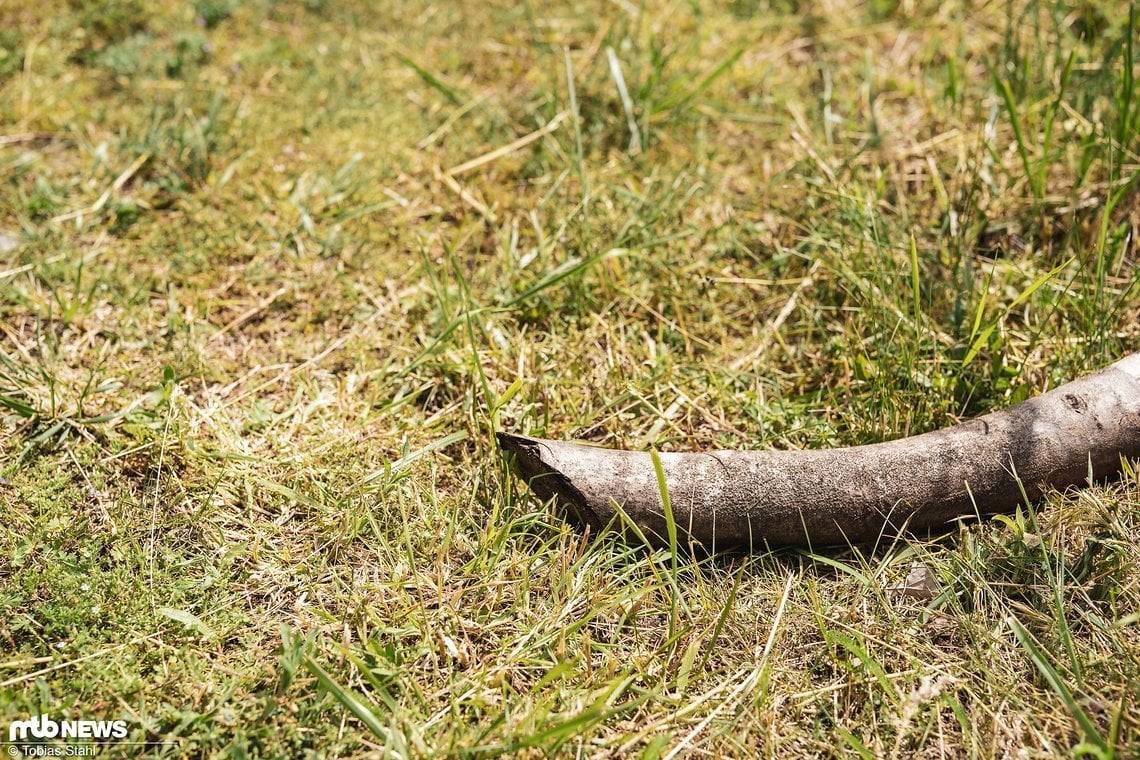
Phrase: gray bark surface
[855,495]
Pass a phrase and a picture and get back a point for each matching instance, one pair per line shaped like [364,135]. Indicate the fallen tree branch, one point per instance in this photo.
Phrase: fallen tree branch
[856,495]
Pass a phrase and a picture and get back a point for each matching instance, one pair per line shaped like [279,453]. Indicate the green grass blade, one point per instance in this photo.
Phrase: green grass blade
[873,666]
[1018,134]
[1126,100]
[1053,678]
[840,566]
[19,407]
[626,101]
[1036,284]
[349,700]
[1050,115]
[720,621]
[432,80]
[980,341]
[407,459]
[670,103]
[666,505]
[670,529]
[914,284]
[565,270]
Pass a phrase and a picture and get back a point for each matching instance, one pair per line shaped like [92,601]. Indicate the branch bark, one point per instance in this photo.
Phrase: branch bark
[855,495]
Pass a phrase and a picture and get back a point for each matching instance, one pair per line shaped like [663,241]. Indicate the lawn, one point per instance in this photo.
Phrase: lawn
[273,273]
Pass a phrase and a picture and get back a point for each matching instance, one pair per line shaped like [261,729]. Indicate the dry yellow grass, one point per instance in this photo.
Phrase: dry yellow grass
[271,273]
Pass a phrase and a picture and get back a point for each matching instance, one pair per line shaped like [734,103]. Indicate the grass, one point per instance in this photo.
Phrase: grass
[271,273]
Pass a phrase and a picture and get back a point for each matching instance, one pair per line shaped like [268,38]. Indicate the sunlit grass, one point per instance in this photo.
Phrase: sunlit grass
[272,273]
